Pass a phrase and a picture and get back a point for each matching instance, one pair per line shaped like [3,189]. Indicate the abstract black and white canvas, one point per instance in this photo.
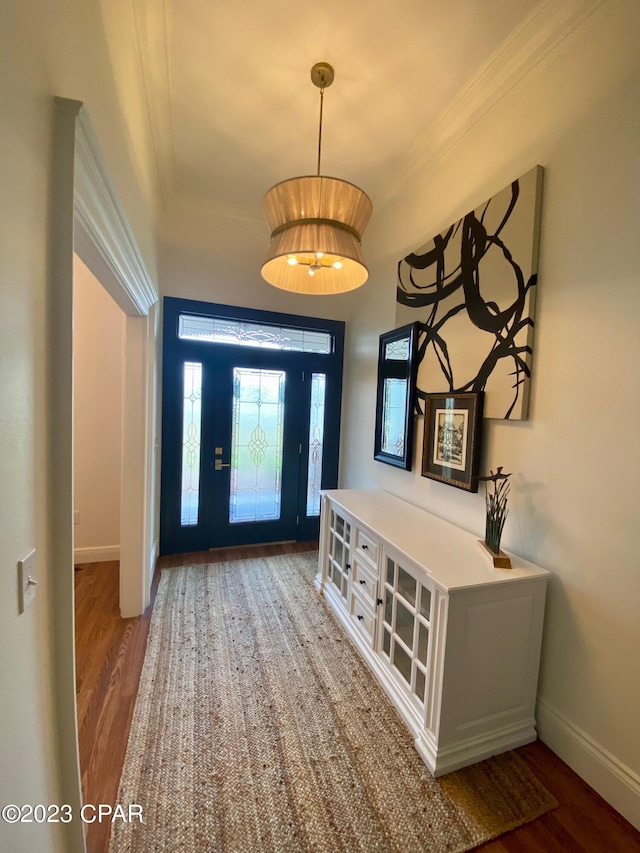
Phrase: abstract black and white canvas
[472,288]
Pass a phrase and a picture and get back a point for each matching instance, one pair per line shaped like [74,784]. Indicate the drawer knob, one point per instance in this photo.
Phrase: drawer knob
[379,601]
[364,547]
[347,567]
[363,583]
[360,617]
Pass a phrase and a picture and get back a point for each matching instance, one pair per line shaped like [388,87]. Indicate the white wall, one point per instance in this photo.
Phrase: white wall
[193,264]
[47,48]
[98,341]
[575,502]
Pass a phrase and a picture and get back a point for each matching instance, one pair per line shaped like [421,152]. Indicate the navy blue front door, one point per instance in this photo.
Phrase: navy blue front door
[250,427]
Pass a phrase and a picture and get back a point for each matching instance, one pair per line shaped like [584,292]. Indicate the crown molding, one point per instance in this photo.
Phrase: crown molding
[531,46]
[152,35]
[102,236]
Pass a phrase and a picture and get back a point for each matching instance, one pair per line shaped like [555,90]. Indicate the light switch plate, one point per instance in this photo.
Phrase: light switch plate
[27,580]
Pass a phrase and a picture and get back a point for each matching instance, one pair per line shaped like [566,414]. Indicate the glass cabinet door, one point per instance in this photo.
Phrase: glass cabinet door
[339,559]
[406,623]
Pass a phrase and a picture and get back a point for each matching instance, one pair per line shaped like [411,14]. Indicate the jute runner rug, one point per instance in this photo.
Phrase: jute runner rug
[258,728]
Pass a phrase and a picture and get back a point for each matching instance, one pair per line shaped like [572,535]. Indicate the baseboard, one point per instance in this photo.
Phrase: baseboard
[100,554]
[449,758]
[618,784]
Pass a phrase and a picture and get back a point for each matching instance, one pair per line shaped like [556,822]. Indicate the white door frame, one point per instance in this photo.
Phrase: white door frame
[104,242]
[87,217]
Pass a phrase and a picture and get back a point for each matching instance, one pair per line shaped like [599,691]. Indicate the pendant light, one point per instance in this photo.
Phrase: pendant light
[316,226]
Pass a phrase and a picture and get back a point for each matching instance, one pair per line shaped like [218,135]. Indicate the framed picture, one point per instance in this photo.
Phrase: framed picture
[452,427]
[395,403]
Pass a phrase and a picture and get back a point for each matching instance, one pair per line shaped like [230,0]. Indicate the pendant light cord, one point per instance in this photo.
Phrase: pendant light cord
[320,128]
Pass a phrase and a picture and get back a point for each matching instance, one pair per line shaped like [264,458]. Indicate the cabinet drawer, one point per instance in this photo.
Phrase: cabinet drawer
[366,582]
[363,613]
[366,544]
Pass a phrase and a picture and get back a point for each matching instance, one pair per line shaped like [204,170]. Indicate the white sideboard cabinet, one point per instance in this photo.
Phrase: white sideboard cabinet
[454,642]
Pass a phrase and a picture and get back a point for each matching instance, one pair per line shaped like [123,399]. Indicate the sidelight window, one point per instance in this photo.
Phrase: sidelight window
[316,443]
[191,443]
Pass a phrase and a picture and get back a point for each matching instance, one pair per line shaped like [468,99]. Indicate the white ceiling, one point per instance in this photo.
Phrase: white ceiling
[232,109]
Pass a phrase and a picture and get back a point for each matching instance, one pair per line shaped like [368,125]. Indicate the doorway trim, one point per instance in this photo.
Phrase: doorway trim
[86,216]
[105,243]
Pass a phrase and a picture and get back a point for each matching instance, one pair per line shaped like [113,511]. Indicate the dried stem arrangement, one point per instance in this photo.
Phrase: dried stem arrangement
[496,503]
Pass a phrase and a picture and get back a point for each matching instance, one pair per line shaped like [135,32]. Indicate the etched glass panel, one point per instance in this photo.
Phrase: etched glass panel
[191,443]
[406,586]
[220,330]
[256,445]
[397,350]
[394,407]
[316,439]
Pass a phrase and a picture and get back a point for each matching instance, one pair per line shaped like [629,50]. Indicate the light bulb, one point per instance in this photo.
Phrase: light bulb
[291,260]
[319,254]
[337,265]
[312,271]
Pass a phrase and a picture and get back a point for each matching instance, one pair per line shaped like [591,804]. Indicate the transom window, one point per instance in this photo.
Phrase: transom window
[222,330]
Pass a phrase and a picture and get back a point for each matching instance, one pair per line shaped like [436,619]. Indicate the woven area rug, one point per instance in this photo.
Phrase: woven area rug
[258,728]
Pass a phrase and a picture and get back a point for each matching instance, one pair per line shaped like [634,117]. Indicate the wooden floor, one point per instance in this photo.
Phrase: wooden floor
[109,657]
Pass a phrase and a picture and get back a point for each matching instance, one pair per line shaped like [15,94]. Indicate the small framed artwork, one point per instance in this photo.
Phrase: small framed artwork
[452,427]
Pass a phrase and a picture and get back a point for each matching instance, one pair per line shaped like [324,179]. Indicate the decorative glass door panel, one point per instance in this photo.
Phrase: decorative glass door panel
[256,445]
[405,626]
[253,411]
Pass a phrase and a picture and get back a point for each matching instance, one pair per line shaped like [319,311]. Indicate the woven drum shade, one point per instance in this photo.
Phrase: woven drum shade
[319,221]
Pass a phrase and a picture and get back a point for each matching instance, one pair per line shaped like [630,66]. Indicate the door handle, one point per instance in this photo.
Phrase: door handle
[219,465]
